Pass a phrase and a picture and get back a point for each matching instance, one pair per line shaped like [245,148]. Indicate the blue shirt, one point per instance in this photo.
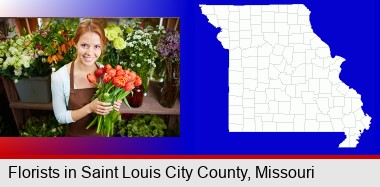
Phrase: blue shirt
[60,90]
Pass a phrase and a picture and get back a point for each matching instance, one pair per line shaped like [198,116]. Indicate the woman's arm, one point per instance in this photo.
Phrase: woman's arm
[59,98]
[63,115]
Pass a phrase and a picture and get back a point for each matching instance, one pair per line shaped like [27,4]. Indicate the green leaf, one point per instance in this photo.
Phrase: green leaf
[92,122]
[126,102]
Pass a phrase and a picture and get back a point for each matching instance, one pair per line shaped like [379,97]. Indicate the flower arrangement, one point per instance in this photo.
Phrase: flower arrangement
[35,54]
[116,44]
[169,48]
[133,47]
[17,55]
[115,84]
[141,49]
[55,42]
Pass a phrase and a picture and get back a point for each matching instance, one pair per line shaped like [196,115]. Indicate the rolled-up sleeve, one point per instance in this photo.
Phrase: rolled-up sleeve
[61,112]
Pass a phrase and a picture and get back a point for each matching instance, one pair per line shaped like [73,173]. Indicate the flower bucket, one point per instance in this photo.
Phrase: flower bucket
[170,89]
[34,89]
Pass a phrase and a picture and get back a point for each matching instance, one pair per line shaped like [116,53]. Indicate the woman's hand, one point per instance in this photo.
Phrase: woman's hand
[98,107]
[116,105]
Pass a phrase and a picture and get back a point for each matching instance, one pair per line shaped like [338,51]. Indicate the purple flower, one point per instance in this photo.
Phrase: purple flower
[169,45]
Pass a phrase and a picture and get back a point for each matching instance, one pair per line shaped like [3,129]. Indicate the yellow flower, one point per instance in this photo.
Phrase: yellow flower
[112,32]
[119,43]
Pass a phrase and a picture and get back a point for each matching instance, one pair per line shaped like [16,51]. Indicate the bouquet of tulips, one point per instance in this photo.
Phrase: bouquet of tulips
[115,84]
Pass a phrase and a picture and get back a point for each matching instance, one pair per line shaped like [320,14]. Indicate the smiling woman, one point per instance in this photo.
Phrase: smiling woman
[71,91]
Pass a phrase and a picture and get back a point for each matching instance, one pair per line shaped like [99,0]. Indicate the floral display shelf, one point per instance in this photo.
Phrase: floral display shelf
[37,106]
[151,103]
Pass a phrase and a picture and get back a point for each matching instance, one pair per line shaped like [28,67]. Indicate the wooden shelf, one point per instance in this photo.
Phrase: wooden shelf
[151,104]
[38,106]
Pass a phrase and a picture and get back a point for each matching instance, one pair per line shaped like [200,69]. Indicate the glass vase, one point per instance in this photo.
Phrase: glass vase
[136,99]
[145,84]
[170,89]
[145,77]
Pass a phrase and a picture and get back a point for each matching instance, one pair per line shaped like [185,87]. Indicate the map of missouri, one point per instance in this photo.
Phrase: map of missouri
[282,77]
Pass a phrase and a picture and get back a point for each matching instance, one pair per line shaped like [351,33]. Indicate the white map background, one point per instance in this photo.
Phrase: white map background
[282,77]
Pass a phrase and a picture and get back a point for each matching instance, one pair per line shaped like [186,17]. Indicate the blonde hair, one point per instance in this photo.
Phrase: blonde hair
[93,26]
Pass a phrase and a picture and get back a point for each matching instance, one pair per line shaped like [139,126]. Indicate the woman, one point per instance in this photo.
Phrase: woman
[72,92]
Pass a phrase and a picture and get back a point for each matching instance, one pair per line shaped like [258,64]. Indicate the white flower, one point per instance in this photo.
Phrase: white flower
[18,71]
[20,42]
[25,61]
[40,52]
[13,50]
[136,37]
[138,65]
[130,44]
[8,61]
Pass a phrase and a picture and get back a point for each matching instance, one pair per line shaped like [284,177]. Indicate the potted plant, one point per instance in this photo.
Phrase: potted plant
[132,45]
[30,58]
[43,126]
[169,49]
[143,126]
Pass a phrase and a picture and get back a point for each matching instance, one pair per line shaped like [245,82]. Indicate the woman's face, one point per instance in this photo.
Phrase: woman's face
[88,48]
